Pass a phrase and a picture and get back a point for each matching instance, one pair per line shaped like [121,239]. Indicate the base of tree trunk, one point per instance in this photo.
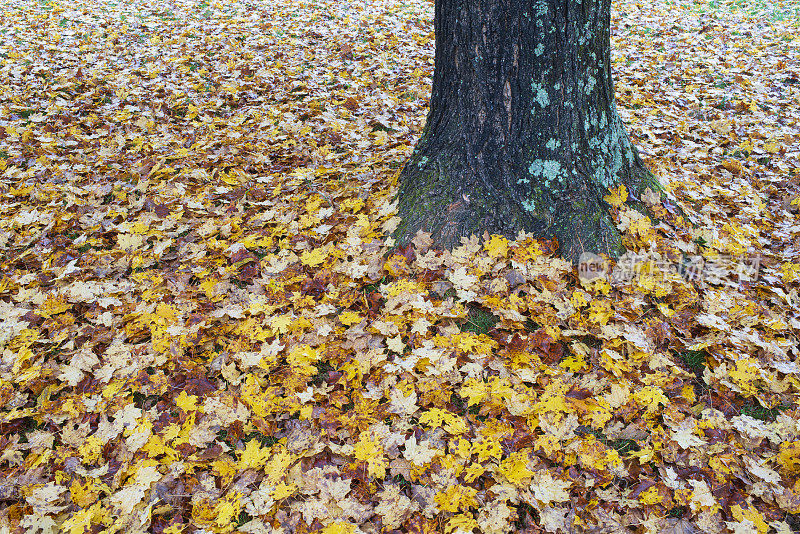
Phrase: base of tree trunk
[447,198]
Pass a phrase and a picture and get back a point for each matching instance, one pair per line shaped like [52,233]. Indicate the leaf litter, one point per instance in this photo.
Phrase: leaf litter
[202,330]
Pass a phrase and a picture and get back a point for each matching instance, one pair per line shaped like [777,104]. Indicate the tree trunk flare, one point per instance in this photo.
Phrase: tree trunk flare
[523,132]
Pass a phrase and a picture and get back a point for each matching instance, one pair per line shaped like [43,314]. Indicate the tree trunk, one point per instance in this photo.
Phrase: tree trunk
[522,132]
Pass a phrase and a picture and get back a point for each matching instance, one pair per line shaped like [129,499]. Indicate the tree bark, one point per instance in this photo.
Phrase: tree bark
[522,132]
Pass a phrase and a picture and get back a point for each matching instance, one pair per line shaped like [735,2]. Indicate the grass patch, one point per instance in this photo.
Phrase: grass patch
[479,321]
[375,286]
[266,441]
[622,446]
[756,411]
[694,360]
[25,113]
[323,368]
[678,511]
[243,518]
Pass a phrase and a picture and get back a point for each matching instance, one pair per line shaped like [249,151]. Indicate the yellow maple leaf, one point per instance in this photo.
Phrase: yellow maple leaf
[789,456]
[617,197]
[203,513]
[91,449]
[456,498]
[772,146]
[396,265]
[253,456]
[86,494]
[600,311]
[515,468]
[579,299]
[371,451]
[155,447]
[790,272]
[433,417]
[650,496]
[283,490]
[467,342]
[745,374]
[226,509]
[474,391]
[552,402]
[750,514]
[278,465]
[209,288]
[354,204]
[574,362]
[436,417]
[473,471]
[83,519]
[488,447]
[315,257]
[349,318]
[167,312]
[594,454]
[187,403]
[339,527]
[641,226]
[280,323]
[302,357]
[455,425]
[230,178]
[53,305]
[462,523]
[405,287]
[497,246]
[650,397]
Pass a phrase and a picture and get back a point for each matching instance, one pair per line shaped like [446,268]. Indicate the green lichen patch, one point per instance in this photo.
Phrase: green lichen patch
[548,169]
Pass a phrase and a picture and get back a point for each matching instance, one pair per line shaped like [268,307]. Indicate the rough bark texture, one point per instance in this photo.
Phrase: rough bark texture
[522,131]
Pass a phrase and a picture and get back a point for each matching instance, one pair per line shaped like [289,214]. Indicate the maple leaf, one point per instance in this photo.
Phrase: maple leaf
[461,523]
[394,507]
[302,357]
[450,422]
[547,489]
[43,497]
[420,453]
[84,518]
[515,468]
[339,527]
[370,451]
[187,403]
[456,498]
[789,456]
[685,436]
[650,397]
[36,523]
[253,456]
[497,246]
[617,197]
[403,404]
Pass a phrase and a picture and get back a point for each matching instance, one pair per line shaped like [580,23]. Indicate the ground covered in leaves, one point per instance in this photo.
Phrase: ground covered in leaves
[200,330]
